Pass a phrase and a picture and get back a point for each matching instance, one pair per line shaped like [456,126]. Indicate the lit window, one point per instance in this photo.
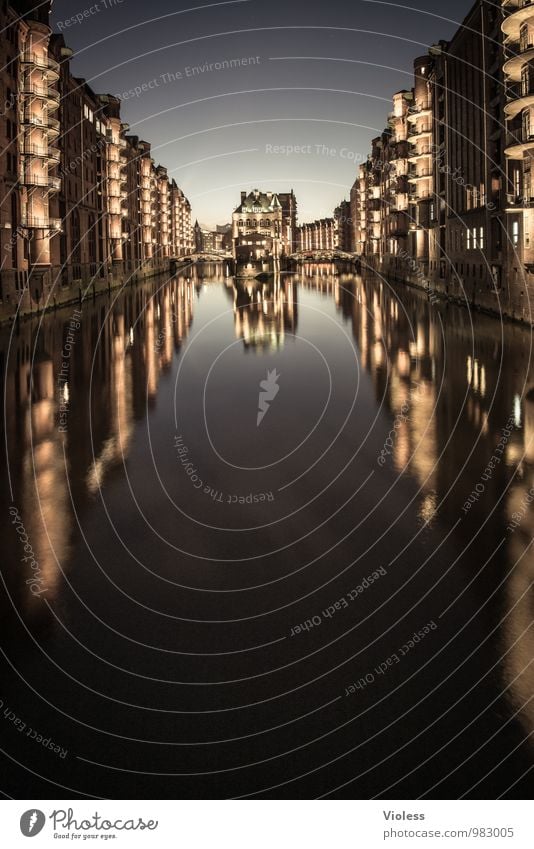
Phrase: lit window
[515,233]
[481,239]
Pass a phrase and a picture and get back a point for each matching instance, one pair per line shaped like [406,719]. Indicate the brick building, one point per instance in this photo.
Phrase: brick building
[264,224]
[445,199]
[83,206]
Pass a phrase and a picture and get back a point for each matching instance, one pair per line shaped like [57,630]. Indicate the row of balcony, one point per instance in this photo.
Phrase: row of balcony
[521,49]
[519,41]
[519,13]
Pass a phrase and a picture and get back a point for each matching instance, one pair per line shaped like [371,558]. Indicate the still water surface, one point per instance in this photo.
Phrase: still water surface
[210,607]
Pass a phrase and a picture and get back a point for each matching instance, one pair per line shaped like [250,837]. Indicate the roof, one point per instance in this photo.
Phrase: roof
[257,201]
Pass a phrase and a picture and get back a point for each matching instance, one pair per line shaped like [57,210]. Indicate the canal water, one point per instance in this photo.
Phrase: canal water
[267,540]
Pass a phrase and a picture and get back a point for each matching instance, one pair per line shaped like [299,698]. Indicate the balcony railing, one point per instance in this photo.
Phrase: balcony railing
[43,62]
[420,175]
[418,108]
[40,152]
[519,201]
[42,180]
[36,90]
[45,123]
[33,222]
[420,131]
[513,91]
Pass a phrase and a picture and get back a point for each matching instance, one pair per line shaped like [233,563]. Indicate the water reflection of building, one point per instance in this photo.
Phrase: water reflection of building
[459,385]
[399,348]
[265,312]
[113,360]
[518,638]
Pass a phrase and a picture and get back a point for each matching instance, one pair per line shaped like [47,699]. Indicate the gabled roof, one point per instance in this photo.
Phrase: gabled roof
[257,201]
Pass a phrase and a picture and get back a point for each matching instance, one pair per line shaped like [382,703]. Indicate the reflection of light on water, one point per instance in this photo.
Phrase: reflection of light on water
[96,473]
[517,633]
[517,411]
[514,455]
[528,432]
[402,452]
[403,363]
[482,381]
[476,376]
[427,510]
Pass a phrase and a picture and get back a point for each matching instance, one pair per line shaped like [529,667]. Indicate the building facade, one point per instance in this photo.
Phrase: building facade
[213,241]
[445,199]
[328,234]
[264,225]
[83,206]
[319,235]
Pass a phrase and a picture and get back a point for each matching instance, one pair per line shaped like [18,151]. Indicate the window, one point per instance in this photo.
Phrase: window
[481,239]
[517,182]
[474,238]
[525,38]
[515,233]
[526,125]
[468,240]
[525,80]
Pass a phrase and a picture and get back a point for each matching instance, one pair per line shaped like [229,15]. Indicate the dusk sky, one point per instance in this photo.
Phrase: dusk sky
[322,76]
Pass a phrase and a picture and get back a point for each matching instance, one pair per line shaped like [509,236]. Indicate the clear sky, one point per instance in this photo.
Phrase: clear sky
[318,76]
